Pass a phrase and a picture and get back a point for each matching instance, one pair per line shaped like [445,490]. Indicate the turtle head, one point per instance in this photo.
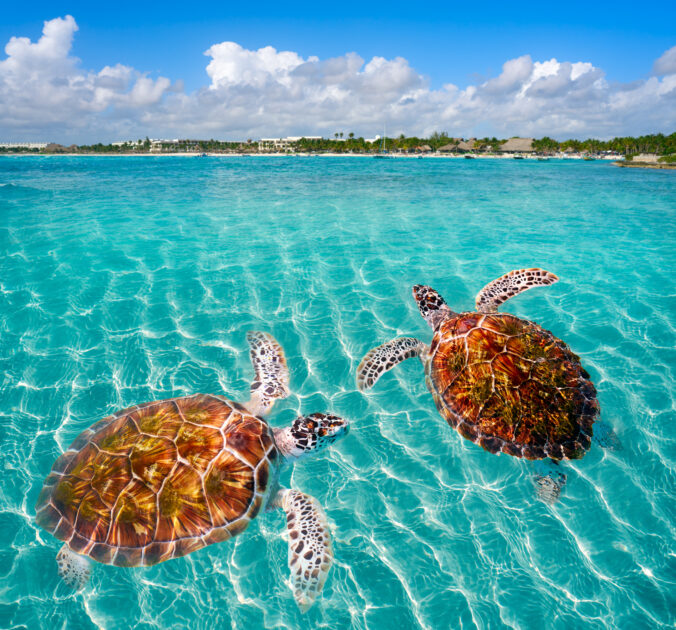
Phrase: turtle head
[432,306]
[309,434]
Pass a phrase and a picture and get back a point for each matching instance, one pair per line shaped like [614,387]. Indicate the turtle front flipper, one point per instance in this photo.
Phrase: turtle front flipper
[605,436]
[310,551]
[509,285]
[272,375]
[383,358]
[548,480]
[74,568]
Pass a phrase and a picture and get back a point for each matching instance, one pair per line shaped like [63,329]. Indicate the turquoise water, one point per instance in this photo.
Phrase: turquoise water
[131,279]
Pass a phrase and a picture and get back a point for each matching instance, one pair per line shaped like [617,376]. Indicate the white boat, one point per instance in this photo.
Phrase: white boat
[383,154]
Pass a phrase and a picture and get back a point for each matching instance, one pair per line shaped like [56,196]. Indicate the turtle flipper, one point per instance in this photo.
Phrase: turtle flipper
[548,480]
[605,436]
[383,358]
[74,568]
[272,375]
[509,285]
[310,551]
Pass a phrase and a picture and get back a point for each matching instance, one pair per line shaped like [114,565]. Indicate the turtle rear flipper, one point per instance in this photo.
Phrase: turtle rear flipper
[548,480]
[272,375]
[310,551]
[509,285]
[383,358]
[74,568]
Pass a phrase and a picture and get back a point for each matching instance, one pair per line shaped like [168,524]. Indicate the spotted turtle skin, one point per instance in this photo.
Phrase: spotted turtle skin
[511,386]
[160,480]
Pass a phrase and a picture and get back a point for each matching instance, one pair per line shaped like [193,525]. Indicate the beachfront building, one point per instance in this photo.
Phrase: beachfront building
[283,144]
[54,147]
[23,145]
[270,144]
[451,147]
[160,146]
[178,145]
[518,145]
[466,146]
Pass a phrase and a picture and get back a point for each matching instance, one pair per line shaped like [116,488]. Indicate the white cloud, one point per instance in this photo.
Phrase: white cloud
[24,57]
[666,64]
[514,73]
[232,65]
[44,93]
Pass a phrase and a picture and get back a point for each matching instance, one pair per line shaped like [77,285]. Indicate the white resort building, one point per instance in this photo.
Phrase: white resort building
[282,144]
[23,145]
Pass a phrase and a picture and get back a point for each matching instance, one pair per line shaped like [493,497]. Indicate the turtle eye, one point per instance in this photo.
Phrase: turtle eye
[322,432]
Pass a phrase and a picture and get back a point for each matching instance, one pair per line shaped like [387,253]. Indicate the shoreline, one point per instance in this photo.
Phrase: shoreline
[414,156]
[654,165]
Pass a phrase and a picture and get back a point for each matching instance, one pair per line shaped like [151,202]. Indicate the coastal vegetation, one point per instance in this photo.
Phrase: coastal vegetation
[658,144]
[627,146]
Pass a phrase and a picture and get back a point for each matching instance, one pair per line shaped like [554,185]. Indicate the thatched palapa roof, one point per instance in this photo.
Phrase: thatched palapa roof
[451,146]
[467,145]
[518,145]
[53,147]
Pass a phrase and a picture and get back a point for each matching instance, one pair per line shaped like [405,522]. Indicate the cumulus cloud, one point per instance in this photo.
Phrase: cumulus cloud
[666,64]
[44,93]
[514,73]
[233,65]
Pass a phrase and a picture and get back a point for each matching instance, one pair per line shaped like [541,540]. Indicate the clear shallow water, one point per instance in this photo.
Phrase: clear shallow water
[131,279]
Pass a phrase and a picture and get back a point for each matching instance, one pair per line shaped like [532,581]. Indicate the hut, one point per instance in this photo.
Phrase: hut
[518,145]
[451,146]
[467,145]
[53,147]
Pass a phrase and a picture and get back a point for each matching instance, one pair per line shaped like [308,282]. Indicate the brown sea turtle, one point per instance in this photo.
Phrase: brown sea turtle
[501,381]
[163,479]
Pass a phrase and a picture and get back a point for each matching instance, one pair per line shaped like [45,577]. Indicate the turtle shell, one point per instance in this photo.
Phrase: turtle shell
[511,386]
[159,480]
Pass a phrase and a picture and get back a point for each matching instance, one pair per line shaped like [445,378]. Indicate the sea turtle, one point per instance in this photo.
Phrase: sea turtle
[501,381]
[163,479]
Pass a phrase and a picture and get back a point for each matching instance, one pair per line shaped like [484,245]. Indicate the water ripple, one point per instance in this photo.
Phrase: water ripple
[113,294]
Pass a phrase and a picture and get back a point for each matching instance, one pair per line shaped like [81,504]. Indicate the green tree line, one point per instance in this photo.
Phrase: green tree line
[347,143]
[654,143]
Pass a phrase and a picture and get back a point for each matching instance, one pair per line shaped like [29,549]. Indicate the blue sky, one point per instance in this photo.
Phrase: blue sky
[463,44]
[448,41]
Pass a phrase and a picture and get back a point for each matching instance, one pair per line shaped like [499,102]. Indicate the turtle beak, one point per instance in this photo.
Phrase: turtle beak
[336,427]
